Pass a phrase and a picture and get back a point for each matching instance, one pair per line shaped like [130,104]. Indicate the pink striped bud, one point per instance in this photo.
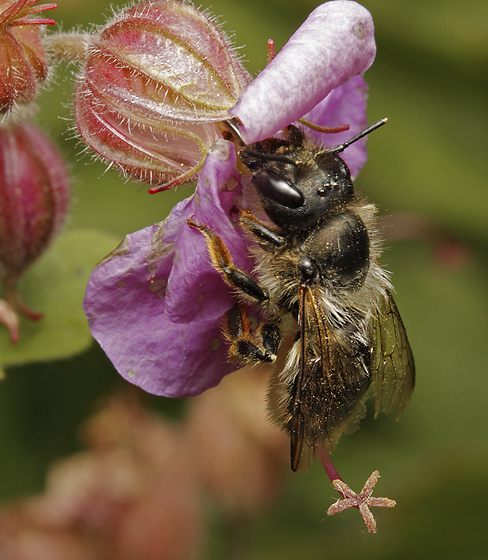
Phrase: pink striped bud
[22,59]
[34,196]
[156,82]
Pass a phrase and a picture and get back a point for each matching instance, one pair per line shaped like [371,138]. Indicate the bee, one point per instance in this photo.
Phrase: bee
[316,248]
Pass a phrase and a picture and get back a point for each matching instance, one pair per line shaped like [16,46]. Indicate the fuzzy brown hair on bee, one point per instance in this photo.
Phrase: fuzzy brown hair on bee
[316,247]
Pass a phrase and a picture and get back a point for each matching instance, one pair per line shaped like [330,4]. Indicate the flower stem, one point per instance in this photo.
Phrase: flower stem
[10,319]
[67,47]
[327,463]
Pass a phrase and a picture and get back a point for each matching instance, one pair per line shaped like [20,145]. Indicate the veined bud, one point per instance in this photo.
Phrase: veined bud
[22,58]
[34,196]
[156,82]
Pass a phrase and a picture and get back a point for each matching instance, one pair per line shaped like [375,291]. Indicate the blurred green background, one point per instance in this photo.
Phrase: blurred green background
[430,80]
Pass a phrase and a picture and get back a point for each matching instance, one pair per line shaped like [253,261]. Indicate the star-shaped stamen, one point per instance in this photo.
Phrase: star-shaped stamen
[363,501]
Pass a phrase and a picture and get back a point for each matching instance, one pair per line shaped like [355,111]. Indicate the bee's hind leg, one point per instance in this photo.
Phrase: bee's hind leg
[247,345]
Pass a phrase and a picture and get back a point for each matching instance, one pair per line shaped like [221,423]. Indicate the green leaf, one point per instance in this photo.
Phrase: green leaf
[55,286]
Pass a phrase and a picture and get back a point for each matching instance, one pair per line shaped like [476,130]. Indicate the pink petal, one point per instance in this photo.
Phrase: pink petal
[124,304]
[197,289]
[156,304]
[335,43]
[344,105]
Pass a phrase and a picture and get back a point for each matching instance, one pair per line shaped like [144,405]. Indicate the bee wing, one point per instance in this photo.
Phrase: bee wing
[307,314]
[329,386]
[392,365]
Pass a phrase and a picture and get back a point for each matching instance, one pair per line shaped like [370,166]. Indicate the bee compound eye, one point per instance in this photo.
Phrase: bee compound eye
[274,187]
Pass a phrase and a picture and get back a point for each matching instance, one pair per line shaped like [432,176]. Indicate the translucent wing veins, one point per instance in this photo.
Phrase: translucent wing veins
[392,364]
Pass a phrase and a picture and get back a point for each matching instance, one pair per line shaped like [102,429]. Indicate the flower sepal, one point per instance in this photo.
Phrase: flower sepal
[23,64]
[156,81]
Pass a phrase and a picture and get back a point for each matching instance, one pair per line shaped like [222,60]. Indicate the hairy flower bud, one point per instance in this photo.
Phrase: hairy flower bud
[34,196]
[156,82]
[22,59]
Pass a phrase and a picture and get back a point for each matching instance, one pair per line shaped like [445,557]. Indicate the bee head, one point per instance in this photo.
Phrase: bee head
[299,186]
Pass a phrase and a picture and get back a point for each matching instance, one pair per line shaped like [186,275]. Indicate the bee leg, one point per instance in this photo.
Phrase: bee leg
[259,346]
[222,261]
[249,222]
[271,337]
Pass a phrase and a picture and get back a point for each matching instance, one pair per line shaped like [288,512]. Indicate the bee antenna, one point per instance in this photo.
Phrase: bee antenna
[269,157]
[231,131]
[362,134]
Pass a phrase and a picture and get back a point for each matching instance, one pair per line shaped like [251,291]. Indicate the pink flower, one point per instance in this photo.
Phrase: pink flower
[156,303]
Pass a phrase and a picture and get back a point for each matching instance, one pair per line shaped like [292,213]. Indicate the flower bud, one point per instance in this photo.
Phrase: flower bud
[156,82]
[22,58]
[34,195]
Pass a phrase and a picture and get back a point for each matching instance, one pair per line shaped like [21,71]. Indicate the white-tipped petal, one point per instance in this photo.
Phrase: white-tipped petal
[335,43]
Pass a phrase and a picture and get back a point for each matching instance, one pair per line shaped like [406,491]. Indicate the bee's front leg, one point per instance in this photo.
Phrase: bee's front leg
[222,261]
[246,345]
[265,236]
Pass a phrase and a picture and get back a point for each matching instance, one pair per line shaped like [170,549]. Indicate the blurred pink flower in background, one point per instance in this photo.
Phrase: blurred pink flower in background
[140,489]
